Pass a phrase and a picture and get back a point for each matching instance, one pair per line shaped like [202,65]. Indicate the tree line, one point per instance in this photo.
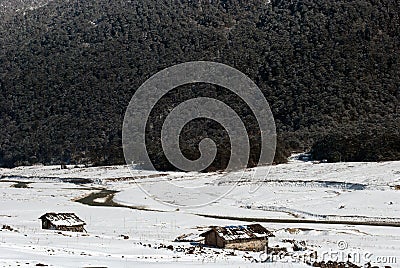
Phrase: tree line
[329,69]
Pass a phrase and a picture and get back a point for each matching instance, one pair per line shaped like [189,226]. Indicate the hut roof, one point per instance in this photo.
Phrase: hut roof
[63,219]
[240,232]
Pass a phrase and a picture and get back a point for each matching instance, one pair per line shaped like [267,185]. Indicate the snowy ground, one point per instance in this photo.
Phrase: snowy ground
[300,200]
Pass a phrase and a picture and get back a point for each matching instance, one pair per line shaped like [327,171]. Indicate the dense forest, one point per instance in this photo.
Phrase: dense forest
[329,69]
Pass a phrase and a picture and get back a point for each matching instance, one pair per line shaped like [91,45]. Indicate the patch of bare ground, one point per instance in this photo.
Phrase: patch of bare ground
[136,177]
[297,230]
[334,264]
[8,228]
[108,196]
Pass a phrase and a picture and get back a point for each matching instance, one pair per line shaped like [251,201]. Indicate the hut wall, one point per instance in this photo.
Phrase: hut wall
[45,224]
[211,239]
[220,242]
[251,245]
[49,226]
[214,240]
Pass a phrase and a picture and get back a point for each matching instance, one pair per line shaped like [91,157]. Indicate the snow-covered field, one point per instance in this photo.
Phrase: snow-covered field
[297,201]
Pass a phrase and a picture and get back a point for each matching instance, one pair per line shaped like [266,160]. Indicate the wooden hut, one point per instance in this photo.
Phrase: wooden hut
[242,237]
[62,222]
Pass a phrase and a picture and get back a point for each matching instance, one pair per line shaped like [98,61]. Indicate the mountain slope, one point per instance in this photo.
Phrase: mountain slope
[69,69]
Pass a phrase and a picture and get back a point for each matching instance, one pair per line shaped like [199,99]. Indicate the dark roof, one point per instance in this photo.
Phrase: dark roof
[63,219]
[240,232]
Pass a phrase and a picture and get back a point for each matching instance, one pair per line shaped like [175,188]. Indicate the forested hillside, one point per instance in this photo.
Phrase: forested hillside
[329,69]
